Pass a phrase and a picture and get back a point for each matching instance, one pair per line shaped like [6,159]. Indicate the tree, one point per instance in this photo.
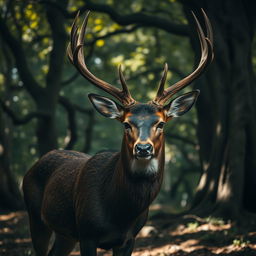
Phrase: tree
[226,115]
[45,98]
[10,196]
[226,110]
[44,93]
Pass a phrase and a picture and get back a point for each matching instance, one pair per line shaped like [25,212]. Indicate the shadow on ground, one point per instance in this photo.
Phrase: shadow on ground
[160,237]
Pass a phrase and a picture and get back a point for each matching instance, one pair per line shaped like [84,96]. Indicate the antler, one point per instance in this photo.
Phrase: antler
[76,56]
[206,57]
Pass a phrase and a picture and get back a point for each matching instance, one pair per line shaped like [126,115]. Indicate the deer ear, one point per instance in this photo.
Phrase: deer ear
[106,106]
[182,104]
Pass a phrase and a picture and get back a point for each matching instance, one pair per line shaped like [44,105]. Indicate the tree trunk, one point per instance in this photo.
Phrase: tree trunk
[10,196]
[46,133]
[226,113]
[48,100]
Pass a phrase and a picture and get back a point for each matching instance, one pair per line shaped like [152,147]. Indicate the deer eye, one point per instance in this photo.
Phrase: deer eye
[127,126]
[160,125]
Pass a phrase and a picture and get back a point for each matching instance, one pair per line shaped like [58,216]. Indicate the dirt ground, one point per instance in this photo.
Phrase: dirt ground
[161,236]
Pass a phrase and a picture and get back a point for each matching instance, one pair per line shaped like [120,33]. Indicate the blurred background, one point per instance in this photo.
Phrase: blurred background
[210,152]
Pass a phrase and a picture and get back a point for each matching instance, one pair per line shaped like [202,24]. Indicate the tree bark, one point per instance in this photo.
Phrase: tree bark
[226,112]
[46,99]
[10,196]
[46,127]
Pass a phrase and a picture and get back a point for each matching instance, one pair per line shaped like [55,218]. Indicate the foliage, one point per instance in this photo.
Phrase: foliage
[192,226]
[215,221]
[142,52]
[241,242]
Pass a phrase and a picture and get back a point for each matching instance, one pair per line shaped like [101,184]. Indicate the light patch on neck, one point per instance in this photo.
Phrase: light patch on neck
[144,166]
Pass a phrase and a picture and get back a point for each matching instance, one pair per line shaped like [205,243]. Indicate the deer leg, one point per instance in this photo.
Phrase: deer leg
[62,246]
[40,235]
[126,250]
[88,248]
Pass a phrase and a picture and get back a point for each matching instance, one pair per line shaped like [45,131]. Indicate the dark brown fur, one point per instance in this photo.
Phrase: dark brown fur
[88,199]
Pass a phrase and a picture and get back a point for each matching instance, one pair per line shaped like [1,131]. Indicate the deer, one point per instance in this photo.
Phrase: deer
[102,201]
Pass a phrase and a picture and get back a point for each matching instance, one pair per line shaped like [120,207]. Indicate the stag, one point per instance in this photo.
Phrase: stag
[102,201]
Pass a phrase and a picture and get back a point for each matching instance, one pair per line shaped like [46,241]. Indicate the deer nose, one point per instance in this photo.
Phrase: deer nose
[143,150]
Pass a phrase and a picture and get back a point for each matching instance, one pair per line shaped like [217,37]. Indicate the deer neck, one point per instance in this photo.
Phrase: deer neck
[138,183]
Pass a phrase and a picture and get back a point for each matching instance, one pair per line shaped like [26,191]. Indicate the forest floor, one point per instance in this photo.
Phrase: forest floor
[161,236]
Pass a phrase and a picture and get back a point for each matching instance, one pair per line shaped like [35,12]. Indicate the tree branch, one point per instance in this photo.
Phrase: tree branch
[56,21]
[20,120]
[71,109]
[71,79]
[192,164]
[140,18]
[64,100]
[181,138]
[116,32]
[25,75]
[71,121]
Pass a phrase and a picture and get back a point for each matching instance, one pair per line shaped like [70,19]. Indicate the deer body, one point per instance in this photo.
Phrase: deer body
[99,198]
[102,201]
[109,220]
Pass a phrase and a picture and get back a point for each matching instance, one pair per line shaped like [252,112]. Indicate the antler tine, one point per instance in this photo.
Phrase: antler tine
[76,56]
[73,38]
[208,25]
[206,58]
[123,82]
[74,30]
[160,90]
[208,30]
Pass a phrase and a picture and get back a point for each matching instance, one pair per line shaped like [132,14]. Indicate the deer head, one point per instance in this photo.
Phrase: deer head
[143,122]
